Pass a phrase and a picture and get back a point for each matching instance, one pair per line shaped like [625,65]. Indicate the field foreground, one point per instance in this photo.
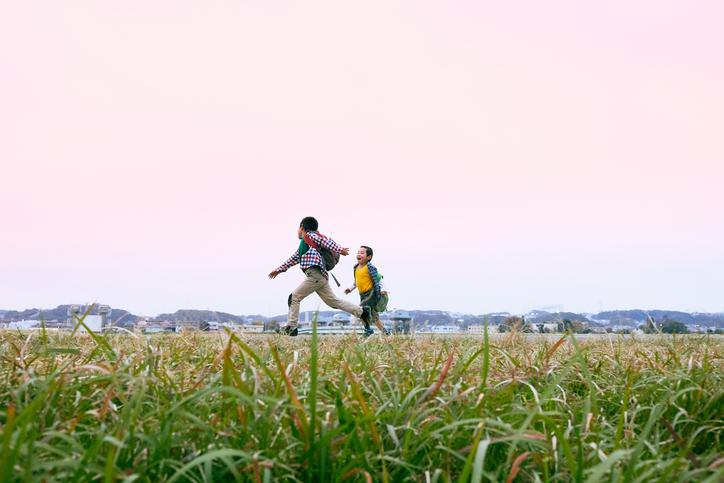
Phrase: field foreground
[218,407]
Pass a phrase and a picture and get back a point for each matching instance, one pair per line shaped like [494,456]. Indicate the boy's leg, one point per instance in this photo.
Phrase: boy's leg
[307,287]
[327,295]
[369,299]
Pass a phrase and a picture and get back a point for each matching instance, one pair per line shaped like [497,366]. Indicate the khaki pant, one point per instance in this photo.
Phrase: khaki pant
[315,282]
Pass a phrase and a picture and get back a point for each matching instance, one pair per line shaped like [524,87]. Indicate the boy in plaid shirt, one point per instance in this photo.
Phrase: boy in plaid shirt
[371,287]
[317,278]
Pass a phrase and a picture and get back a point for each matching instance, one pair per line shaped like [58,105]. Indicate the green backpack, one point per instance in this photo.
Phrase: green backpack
[382,303]
[383,300]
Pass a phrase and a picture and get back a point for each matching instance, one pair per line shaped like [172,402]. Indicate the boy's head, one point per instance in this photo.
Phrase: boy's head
[364,255]
[309,223]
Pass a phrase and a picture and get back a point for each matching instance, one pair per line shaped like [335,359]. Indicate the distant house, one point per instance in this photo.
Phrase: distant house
[210,326]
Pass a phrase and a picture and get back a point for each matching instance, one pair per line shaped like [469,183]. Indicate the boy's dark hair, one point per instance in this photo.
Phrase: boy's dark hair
[309,223]
[368,250]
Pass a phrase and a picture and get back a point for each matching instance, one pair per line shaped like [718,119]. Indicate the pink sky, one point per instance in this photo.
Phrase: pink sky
[511,156]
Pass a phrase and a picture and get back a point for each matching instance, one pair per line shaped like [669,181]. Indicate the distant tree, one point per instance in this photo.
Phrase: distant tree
[567,325]
[673,326]
[579,327]
[513,322]
[541,328]
[503,328]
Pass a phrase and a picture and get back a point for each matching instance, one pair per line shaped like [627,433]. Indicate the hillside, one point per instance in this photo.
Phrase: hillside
[191,315]
[60,313]
[544,317]
[639,317]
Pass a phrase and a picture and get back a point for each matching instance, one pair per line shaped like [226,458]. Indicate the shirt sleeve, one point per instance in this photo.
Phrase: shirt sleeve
[293,260]
[325,242]
[383,286]
[353,286]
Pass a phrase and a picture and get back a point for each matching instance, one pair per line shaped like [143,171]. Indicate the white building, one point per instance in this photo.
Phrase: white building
[24,324]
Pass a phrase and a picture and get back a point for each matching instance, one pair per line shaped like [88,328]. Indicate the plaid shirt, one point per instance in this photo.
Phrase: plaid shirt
[312,257]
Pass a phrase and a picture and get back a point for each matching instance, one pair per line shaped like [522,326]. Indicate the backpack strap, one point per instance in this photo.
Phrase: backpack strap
[308,240]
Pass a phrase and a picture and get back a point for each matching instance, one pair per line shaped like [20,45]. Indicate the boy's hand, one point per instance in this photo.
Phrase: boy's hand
[345,251]
[346,291]
[273,274]
[384,293]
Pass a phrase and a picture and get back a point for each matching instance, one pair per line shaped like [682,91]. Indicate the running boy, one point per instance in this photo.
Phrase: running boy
[370,289]
[317,280]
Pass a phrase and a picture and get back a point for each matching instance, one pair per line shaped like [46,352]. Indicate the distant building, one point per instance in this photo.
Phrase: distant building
[480,329]
[401,321]
[341,318]
[210,326]
[24,324]
[99,322]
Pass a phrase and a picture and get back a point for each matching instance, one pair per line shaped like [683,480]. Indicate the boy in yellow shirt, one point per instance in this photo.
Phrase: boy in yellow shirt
[370,288]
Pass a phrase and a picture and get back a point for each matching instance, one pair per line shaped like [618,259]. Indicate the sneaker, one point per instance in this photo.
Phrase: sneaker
[385,331]
[286,330]
[366,315]
[368,332]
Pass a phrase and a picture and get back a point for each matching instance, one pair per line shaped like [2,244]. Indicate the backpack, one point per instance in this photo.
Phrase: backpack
[330,257]
[382,303]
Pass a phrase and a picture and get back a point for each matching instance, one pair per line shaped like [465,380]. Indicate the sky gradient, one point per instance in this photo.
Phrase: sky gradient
[502,157]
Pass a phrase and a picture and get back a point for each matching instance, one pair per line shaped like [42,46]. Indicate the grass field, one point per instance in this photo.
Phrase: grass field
[219,407]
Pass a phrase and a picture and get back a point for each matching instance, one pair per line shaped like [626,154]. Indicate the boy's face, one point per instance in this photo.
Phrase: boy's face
[300,232]
[362,256]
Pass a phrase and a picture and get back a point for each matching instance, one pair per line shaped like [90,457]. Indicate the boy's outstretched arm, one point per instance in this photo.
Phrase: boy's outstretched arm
[351,288]
[293,260]
[327,243]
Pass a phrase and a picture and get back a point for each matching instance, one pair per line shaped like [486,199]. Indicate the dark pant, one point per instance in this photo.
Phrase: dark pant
[370,299]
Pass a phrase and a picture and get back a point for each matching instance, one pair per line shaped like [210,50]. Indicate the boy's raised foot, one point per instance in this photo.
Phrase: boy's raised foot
[385,331]
[286,330]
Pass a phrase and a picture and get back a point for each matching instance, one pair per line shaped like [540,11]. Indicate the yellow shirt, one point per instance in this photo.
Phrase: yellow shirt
[362,279]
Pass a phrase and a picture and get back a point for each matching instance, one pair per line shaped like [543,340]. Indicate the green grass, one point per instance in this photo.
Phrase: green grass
[220,407]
